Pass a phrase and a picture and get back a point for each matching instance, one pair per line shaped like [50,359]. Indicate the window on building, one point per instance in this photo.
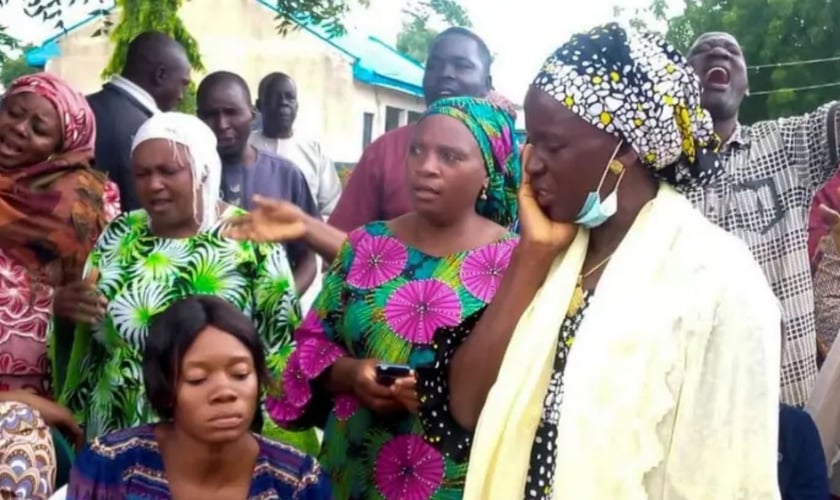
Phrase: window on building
[413,116]
[367,130]
[392,118]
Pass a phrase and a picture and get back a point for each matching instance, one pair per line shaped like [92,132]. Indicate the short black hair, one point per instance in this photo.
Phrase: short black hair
[269,80]
[711,34]
[174,331]
[223,78]
[149,50]
[483,50]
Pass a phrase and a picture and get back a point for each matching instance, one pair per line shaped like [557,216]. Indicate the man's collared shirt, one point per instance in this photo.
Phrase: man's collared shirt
[772,170]
[137,92]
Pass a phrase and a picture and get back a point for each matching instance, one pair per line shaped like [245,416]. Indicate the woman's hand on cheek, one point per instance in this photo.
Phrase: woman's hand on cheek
[539,232]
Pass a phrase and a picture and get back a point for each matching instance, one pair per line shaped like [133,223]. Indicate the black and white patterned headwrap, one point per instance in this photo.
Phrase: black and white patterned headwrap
[639,88]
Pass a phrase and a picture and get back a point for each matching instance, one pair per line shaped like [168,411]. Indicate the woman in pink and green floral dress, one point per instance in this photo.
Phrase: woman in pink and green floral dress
[391,287]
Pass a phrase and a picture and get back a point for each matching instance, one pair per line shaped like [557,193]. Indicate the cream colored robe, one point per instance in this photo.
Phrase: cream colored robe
[672,385]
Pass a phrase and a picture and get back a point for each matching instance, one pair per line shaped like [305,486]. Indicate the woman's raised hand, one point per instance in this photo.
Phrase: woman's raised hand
[536,228]
[269,221]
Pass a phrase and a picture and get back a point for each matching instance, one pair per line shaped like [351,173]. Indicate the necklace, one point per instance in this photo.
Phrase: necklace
[576,303]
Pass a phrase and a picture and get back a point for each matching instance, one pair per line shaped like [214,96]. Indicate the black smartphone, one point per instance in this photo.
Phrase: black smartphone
[386,373]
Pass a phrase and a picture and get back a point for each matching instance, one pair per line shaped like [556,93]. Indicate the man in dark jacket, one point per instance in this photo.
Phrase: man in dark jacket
[154,79]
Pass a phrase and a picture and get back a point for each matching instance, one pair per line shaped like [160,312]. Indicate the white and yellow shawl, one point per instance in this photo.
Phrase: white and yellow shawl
[672,386]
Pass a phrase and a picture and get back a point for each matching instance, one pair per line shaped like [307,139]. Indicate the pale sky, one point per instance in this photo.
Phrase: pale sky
[521,33]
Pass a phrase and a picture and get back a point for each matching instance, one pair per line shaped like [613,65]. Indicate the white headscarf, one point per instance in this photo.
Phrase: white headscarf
[204,161]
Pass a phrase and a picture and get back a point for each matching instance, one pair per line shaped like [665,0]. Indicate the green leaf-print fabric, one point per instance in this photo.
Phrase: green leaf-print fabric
[141,275]
[383,299]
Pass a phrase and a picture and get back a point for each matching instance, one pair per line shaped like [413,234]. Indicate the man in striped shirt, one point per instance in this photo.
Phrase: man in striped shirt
[772,170]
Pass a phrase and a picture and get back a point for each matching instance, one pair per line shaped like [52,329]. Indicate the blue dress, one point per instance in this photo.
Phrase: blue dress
[127,465]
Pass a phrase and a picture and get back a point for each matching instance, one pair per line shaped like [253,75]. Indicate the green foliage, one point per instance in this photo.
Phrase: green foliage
[12,68]
[414,38]
[137,16]
[8,43]
[417,34]
[776,37]
[189,105]
[327,14]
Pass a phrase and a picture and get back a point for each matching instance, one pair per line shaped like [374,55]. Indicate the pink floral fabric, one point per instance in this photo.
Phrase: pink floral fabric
[408,467]
[385,300]
[112,201]
[25,312]
[25,308]
[418,308]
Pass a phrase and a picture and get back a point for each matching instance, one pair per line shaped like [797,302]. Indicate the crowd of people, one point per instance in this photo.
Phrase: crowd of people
[627,305]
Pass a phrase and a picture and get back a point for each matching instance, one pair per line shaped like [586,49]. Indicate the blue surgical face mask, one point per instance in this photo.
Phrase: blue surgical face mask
[595,212]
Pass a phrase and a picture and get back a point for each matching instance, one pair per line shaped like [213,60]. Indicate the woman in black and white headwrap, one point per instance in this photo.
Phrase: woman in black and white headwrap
[632,349]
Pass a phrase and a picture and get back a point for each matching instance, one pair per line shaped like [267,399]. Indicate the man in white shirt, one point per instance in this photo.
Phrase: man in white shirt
[278,105]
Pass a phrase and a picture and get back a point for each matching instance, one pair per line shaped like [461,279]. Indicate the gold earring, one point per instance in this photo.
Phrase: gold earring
[616,167]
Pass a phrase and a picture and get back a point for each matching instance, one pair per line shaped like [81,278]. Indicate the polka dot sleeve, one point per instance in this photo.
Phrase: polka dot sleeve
[440,429]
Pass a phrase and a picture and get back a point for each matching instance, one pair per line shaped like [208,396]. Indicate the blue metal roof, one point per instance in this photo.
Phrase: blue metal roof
[374,61]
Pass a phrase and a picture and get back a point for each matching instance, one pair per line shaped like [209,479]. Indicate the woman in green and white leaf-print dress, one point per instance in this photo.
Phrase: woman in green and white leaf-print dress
[148,258]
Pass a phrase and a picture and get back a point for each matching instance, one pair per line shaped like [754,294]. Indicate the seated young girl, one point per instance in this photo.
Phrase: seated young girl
[204,370]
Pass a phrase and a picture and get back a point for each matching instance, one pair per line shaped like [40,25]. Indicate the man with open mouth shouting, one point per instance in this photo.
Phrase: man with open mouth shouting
[771,171]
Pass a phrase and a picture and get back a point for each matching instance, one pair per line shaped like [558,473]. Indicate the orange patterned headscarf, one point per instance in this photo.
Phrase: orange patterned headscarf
[52,212]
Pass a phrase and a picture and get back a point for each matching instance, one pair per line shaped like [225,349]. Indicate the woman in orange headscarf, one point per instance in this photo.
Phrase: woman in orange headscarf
[53,206]
[52,209]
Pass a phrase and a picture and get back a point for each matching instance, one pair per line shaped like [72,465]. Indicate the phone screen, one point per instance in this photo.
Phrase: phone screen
[386,373]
